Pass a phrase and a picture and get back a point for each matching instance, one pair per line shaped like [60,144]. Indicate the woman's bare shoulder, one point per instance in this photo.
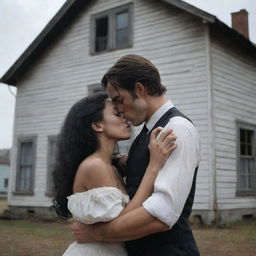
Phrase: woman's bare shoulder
[94,172]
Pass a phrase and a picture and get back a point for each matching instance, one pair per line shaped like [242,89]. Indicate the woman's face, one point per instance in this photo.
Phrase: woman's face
[114,124]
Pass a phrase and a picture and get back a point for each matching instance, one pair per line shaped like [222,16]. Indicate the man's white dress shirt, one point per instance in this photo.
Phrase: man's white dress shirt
[174,181]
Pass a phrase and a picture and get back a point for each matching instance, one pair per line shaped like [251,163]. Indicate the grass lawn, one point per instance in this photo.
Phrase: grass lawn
[3,205]
[27,238]
[237,240]
[31,237]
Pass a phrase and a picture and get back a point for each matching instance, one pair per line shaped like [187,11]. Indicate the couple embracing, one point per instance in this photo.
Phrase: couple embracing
[137,206]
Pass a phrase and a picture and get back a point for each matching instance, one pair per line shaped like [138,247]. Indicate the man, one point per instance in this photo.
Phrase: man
[160,225]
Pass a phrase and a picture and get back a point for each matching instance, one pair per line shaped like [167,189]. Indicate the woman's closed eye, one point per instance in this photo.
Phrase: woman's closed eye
[118,114]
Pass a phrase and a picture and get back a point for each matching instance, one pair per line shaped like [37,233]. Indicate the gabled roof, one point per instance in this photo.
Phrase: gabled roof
[70,10]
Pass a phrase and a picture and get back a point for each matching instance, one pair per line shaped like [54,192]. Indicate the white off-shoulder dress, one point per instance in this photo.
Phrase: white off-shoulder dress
[92,206]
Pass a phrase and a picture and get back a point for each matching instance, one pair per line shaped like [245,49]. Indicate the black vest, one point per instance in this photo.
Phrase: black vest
[179,239]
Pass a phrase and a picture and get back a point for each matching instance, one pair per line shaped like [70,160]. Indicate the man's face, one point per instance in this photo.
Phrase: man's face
[133,109]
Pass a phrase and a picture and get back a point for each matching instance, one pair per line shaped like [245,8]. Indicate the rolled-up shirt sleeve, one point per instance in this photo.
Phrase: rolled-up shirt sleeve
[174,181]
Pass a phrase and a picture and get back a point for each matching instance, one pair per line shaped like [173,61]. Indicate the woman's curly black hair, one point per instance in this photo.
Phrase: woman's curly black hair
[76,141]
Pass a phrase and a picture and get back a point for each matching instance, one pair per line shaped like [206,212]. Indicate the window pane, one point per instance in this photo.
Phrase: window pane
[247,168]
[122,29]
[122,20]
[25,167]
[122,37]
[249,137]
[243,149]
[26,151]
[242,182]
[25,178]
[242,135]
[251,168]
[249,150]
[101,34]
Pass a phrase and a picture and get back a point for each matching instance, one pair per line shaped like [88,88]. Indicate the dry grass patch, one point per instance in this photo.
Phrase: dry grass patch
[3,205]
[31,237]
[237,240]
[28,238]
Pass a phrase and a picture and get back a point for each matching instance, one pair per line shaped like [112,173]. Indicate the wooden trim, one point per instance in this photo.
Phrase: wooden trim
[211,125]
[192,10]
[17,193]
[245,193]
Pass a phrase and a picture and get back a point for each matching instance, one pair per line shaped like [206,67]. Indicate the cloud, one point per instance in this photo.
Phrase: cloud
[7,104]
[21,21]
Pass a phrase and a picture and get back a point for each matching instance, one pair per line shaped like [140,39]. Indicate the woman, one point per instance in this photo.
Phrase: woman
[85,175]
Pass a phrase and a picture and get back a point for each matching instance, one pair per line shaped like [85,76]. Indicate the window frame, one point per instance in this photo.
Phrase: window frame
[92,87]
[250,127]
[111,40]
[49,189]
[21,140]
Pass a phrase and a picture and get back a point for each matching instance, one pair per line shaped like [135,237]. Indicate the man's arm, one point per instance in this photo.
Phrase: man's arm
[132,225]
[174,181]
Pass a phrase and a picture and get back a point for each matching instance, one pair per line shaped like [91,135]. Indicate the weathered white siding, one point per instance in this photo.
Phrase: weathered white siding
[234,92]
[174,41]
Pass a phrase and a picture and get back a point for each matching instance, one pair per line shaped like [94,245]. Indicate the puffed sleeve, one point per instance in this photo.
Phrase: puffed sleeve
[97,205]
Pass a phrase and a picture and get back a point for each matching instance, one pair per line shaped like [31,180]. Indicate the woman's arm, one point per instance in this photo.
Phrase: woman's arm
[160,148]
[140,223]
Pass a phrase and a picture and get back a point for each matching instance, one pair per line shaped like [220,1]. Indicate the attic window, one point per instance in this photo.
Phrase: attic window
[101,34]
[122,29]
[111,29]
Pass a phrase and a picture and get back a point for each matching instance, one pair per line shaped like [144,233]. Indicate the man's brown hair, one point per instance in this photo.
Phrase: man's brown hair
[129,70]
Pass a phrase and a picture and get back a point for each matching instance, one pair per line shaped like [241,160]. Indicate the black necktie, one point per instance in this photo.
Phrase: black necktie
[144,131]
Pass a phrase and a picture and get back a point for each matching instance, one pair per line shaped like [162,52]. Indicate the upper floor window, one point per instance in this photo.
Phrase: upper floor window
[25,166]
[246,160]
[111,29]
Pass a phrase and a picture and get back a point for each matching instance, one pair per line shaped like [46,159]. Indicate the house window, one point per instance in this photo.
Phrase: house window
[52,148]
[94,88]
[26,166]
[101,37]
[6,183]
[246,160]
[111,29]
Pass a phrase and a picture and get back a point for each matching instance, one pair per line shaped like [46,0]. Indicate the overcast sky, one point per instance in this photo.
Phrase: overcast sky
[22,20]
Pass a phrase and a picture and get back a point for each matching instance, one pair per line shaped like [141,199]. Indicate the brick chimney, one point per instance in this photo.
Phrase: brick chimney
[240,22]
